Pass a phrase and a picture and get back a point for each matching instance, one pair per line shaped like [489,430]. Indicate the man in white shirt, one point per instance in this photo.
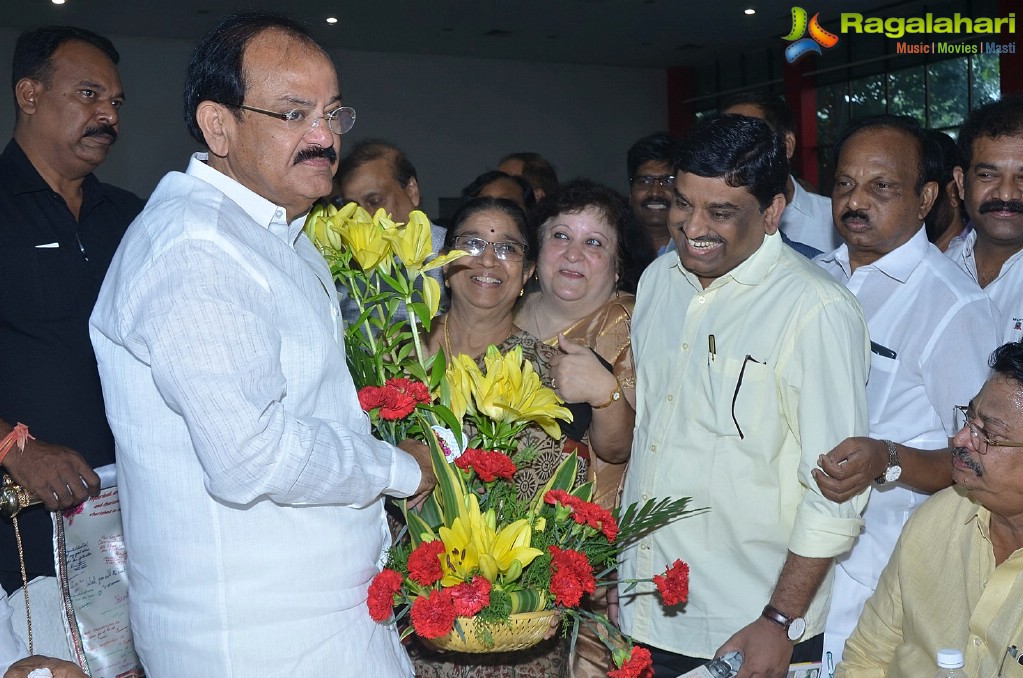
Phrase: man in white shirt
[750,360]
[14,662]
[807,216]
[251,487]
[931,332]
[991,141]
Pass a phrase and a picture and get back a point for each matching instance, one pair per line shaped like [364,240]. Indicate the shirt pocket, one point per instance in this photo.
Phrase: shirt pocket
[40,283]
[879,385]
[743,395]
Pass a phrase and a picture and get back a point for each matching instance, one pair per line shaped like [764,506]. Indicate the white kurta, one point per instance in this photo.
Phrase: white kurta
[249,481]
[941,330]
[1006,291]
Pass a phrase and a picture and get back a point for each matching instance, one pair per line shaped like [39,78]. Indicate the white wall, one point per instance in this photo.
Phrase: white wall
[453,116]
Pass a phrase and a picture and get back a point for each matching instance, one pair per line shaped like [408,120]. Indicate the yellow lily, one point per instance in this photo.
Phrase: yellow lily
[413,244]
[459,377]
[321,228]
[511,391]
[472,543]
[366,237]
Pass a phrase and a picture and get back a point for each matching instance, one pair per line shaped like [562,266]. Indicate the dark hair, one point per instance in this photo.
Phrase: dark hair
[1007,360]
[745,151]
[942,213]
[1000,118]
[506,207]
[367,151]
[493,176]
[33,52]
[929,159]
[216,72]
[578,194]
[536,170]
[656,147]
[773,108]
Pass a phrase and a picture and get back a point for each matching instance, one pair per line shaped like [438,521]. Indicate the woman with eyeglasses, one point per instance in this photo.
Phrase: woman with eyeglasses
[484,290]
[582,268]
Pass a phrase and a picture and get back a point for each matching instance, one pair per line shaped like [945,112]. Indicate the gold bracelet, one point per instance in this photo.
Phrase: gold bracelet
[615,396]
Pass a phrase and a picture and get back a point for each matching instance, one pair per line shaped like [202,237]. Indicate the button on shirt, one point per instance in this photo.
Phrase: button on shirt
[941,328]
[250,483]
[737,423]
[1006,291]
[51,268]
[941,589]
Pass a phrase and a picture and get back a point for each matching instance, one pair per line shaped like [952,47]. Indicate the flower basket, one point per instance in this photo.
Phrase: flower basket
[523,630]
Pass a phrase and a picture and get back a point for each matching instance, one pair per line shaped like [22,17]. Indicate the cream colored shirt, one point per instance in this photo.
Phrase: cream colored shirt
[941,589]
[739,430]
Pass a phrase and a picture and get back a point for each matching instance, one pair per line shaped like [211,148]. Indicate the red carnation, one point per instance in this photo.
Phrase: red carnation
[597,517]
[488,465]
[424,563]
[397,405]
[571,576]
[673,585]
[381,594]
[434,615]
[639,665]
[559,497]
[416,389]
[471,597]
[371,397]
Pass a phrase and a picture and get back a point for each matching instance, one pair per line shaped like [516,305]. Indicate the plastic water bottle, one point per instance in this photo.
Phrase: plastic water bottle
[725,666]
[950,664]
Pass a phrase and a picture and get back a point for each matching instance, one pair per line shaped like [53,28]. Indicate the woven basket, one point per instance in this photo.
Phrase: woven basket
[523,630]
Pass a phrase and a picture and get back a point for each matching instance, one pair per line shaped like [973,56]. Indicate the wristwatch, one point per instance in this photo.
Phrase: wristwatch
[894,470]
[794,626]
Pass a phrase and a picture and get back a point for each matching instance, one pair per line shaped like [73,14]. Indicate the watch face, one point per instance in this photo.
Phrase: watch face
[893,473]
[796,628]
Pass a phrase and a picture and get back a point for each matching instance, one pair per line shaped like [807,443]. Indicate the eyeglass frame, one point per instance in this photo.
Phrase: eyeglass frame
[284,116]
[493,246]
[975,431]
[662,180]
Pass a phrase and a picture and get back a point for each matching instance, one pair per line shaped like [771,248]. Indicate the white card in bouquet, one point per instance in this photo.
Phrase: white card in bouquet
[92,569]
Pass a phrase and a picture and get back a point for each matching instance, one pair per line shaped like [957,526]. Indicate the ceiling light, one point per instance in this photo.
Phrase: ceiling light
[750,11]
[57,2]
[332,20]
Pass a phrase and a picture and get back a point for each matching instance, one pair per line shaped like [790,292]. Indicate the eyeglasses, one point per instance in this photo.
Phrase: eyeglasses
[508,250]
[962,417]
[339,121]
[648,180]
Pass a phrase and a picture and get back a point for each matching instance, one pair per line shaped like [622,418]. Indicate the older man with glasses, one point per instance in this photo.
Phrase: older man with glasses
[955,579]
[252,489]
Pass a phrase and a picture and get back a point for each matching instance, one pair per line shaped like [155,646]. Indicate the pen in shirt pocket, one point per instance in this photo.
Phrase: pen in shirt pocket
[882,351]
[712,349]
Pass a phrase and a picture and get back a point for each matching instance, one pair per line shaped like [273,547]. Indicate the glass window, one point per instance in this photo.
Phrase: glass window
[984,75]
[947,93]
[906,93]
[867,96]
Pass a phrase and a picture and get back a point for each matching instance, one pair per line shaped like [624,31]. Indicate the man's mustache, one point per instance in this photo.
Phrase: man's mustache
[855,214]
[100,131]
[314,152]
[998,205]
[963,456]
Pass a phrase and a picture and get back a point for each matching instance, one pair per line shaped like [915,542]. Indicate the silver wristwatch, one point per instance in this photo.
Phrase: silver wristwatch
[894,470]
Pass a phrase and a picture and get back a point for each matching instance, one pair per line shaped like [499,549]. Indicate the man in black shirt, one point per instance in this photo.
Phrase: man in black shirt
[59,227]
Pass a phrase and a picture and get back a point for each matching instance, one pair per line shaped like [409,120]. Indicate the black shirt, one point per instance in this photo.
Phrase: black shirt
[51,269]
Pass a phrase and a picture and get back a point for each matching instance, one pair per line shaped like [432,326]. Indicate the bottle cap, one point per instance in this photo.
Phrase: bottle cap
[950,659]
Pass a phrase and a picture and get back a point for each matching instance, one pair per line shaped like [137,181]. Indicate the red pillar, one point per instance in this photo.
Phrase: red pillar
[1010,66]
[681,88]
[801,96]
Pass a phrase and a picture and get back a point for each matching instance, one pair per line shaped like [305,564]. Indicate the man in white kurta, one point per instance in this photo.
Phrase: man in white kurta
[931,332]
[250,484]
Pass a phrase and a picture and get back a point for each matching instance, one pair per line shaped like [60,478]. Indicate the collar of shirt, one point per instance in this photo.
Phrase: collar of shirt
[898,264]
[262,211]
[21,177]
[750,272]
[799,198]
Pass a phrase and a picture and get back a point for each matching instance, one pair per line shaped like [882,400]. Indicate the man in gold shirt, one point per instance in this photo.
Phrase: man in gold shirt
[956,577]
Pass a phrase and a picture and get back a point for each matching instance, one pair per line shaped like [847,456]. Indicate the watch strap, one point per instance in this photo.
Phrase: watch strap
[893,460]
